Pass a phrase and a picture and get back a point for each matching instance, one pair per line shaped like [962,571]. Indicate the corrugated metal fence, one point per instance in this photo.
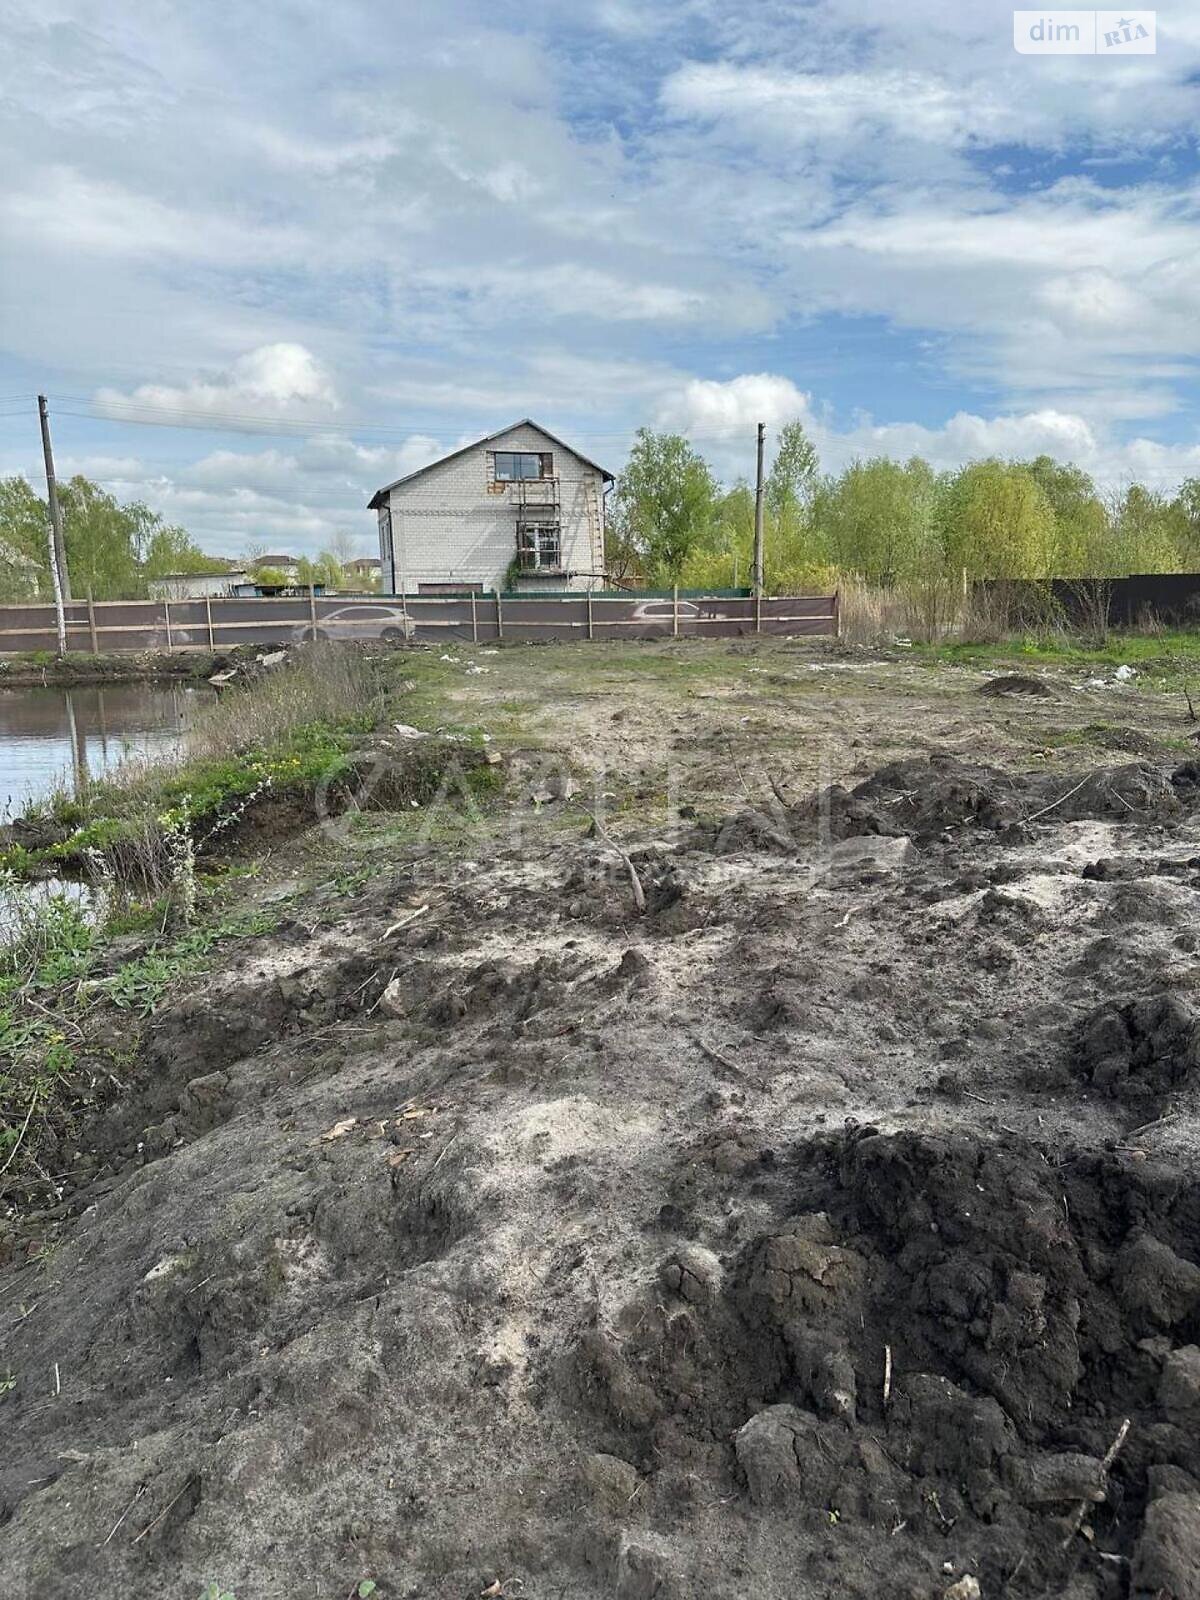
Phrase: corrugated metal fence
[1171,598]
[219,624]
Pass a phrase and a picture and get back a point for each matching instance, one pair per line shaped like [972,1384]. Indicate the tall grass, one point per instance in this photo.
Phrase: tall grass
[926,610]
[324,683]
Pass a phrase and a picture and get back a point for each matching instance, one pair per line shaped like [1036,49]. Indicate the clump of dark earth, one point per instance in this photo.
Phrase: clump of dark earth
[923,799]
[1018,683]
[942,1338]
[1141,1051]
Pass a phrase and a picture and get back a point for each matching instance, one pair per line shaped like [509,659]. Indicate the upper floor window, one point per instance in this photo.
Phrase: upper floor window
[513,465]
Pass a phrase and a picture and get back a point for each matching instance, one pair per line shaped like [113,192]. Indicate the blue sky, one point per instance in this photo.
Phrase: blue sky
[265,259]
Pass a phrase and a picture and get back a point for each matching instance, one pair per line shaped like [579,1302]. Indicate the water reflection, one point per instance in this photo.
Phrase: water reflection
[52,737]
[66,738]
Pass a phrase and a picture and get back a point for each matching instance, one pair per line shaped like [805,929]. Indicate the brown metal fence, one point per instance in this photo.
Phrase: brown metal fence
[218,624]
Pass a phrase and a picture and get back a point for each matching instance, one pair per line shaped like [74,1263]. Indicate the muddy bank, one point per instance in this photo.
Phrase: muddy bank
[815,1232]
[144,666]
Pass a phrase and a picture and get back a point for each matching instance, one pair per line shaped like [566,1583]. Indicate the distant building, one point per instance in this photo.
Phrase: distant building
[518,507]
[197,585]
[288,565]
[362,567]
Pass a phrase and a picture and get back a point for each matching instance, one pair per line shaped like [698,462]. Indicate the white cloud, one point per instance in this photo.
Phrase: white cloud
[708,409]
[65,208]
[720,417]
[578,290]
[596,215]
[272,381]
[801,107]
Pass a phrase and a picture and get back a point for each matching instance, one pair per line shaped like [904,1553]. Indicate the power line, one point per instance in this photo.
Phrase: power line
[144,414]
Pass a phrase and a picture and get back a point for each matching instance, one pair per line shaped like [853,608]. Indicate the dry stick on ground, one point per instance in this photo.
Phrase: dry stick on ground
[715,1055]
[406,921]
[150,1527]
[24,1130]
[635,883]
[1171,1116]
[733,761]
[1033,816]
[1084,1506]
[1191,707]
[141,1489]
[777,791]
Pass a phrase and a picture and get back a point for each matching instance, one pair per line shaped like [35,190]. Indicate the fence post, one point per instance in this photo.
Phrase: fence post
[591,633]
[312,610]
[675,612]
[212,643]
[474,620]
[167,615]
[837,613]
[758,611]
[92,624]
[499,617]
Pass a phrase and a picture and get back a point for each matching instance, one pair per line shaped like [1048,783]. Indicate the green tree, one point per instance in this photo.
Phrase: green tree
[622,559]
[1146,532]
[670,496]
[103,539]
[725,558]
[878,518]
[793,475]
[1081,525]
[271,577]
[326,570]
[24,521]
[997,522]
[170,550]
[1186,510]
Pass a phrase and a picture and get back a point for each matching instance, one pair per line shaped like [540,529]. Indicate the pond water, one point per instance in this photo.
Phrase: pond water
[55,738]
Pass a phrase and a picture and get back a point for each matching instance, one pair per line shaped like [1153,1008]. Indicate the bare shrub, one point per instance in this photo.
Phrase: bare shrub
[933,604]
[998,608]
[1091,604]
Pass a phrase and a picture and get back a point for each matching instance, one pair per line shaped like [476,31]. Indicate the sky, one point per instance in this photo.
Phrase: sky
[266,259]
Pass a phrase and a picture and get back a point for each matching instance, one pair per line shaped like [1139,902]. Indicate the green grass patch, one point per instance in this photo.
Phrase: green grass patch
[51,997]
[1171,652]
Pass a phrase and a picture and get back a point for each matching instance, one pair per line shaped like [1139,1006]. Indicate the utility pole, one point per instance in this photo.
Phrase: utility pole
[758,513]
[60,549]
[53,532]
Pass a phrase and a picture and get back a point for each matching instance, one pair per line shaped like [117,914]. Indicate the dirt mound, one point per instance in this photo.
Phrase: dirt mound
[922,798]
[947,1336]
[1017,683]
[1140,1052]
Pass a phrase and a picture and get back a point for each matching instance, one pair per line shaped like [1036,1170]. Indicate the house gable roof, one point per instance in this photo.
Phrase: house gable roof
[377,498]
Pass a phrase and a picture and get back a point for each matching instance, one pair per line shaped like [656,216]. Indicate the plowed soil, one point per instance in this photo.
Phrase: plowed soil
[830,1227]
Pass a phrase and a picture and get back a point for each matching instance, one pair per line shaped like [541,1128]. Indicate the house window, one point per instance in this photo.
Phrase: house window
[539,547]
[511,466]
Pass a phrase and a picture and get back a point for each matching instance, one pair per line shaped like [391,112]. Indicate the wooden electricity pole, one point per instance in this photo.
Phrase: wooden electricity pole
[54,531]
[60,549]
[758,513]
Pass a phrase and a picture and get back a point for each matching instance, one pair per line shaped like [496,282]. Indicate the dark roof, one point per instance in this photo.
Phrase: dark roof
[376,499]
[275,561]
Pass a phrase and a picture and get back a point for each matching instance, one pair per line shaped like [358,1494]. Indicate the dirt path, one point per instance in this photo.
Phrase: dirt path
[813,1233]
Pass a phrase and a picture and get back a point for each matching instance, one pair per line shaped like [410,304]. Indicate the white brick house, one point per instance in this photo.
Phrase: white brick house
[519,506]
